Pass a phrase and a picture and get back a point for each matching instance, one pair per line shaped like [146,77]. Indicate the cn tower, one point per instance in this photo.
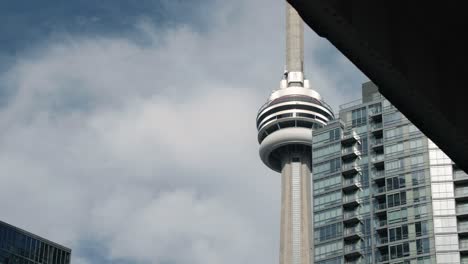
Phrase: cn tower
[285,124]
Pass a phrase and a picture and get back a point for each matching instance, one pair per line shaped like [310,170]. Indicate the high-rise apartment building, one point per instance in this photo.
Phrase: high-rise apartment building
[22,247]
[383,192]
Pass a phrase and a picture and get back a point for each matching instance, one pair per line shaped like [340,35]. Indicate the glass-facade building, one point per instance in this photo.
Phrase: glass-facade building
[383,192]
[21,247]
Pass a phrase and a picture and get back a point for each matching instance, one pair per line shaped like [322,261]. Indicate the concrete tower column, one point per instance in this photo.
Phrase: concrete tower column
[294,40]
[296,230]
[285,125]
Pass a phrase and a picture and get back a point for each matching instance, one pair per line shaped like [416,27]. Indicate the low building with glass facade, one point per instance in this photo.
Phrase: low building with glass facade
[383,192]
[21,247]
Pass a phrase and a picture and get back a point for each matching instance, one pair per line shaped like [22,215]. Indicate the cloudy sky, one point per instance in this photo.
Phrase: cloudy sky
[127,128]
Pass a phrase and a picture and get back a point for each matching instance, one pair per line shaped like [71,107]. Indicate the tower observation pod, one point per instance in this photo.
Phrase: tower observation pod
[285,123]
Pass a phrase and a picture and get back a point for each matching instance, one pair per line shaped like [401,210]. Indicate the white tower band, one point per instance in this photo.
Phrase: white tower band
[285,125]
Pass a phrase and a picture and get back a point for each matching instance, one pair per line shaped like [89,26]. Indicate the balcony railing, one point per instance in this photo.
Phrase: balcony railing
[351,231]
[461,191]
[381,258]
[463,244]
[462,209]
[353,247]
[377,158]
[348,166]
[378,173]
[377,141]
[380,206]
[349,215]
[381,240]
[350,198]
[349,137]
[375,111]
[381,223]
[381,189]
[462,226]
[349,150]
[351,181]
[460,175]
[354,262]
[376,126]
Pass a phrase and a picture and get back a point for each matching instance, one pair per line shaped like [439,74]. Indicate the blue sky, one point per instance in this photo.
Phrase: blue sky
[128,130]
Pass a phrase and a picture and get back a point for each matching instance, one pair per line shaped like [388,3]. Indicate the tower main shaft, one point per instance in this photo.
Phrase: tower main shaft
[296,229]
[285,124]
[294,40]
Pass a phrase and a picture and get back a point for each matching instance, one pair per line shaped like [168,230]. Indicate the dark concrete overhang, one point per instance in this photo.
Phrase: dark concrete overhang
[416,52]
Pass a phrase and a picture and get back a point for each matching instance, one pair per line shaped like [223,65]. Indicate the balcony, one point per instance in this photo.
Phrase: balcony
[348,169]
[380,208]
[461,193]
[378,175]
[460,177]
[350,138]
[381,225]
[377,144]
[463,244]
[381,241]
[350,153]
[356,261]
[376,114]
[352,250]
[462,210]
[352,233]
[382,258]
[351,184]
[376,128]
[379,191]
[351,217]
[463,228]
[350,201]
[378,161]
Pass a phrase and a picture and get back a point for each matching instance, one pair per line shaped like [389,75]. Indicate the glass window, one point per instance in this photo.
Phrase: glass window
[422,246]
[420,211]
[420,194]
[327,167]
[418,177]
[436,157]
[417,160]
[393,133]
[335,134]
[393,149]
[412,128]
[327,250]
[397,216]
[359,117]
[328,232]
[441,173]
[323,152]
[325,184]
[442,189]
[446,242]
[448,257]
[396,183]
[416,143]
[392,118]
[421,228]
[393,165]
[324,201]
[399,251]
[363,146]
[327,215]
[396,199]
[444,207]
[445,224]
[398,233]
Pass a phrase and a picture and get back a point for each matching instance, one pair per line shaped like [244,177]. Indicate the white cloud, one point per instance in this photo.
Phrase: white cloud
[151,150]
